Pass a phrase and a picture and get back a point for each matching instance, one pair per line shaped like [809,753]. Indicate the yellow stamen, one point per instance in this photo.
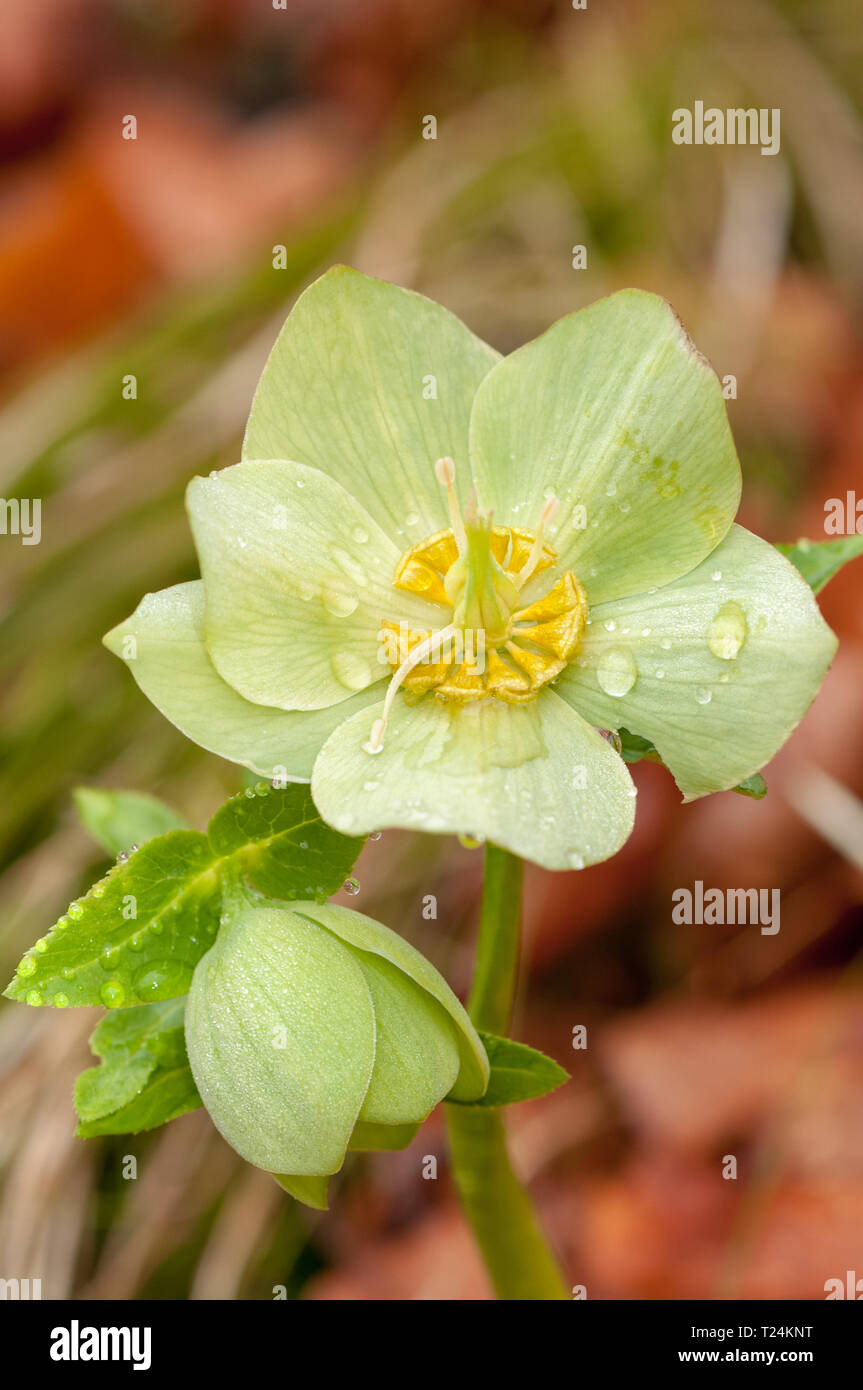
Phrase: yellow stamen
[445,474]
[533,558]
[419,653]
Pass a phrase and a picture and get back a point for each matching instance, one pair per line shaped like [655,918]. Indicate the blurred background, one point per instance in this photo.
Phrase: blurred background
[301,128]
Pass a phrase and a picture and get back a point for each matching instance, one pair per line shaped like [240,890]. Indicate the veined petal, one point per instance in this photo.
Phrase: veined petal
[533,778]
[162,643]
[724,664]
[615,412]
[371,384]
[297,578]
[288,1105]
[372,938]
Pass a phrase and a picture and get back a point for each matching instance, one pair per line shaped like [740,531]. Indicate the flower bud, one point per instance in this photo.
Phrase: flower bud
[313,1028]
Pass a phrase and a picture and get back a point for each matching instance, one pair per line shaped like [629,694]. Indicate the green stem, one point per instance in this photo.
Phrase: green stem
[514,1248]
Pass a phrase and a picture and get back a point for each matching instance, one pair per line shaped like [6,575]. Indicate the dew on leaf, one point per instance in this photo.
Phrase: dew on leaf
[34,998]
[76,911]
[109,956]
[351,886]
[26,966]
[112,994]
[60,1001]
[375,834]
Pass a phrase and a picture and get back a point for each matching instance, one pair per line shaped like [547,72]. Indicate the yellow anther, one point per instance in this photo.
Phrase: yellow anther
[435,640]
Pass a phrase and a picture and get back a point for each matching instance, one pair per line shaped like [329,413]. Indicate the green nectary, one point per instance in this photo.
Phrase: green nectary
[312,1029]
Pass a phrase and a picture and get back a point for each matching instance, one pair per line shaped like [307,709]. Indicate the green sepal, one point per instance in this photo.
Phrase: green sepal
[634,749]
[373,1138]
[311,1191]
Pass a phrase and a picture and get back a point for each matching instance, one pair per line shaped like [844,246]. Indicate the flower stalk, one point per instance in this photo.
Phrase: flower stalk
[513,1246]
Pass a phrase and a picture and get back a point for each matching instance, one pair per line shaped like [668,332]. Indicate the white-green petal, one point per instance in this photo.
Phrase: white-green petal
[372,937]
[615,412]
[297,578]
[535,779]
[372,383]
[416,1053]
[716,669]
[281,1039]
[162,643]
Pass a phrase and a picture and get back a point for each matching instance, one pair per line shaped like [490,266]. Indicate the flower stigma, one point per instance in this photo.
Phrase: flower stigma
[494,646]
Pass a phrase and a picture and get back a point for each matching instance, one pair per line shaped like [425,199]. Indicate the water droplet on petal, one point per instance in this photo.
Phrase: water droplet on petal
[351,670]
[716,575]
[112,994]
[703,695]
[470,842]
[575,860]
[609,625]
[352,886]
[359,535]
[727,632]
[659,674]
[411,519]
[338,602]
[375,834]
[371,785]
[617,672]
[665,644]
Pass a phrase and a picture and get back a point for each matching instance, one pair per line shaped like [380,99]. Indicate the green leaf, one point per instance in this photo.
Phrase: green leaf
[281,844]
[136,936]
[754,786]
[633,748]
[144,1079]
[518,1072]
[139,933]
[818,561]
[119,820]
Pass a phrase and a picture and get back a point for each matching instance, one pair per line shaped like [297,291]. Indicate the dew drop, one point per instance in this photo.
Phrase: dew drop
[34,998]
[703,696]
[645,632]
[371,785]
[307,592]
[249,793]
[351,670]
[359,535]
[300,482]
[617,672]
[67,974]
[109,956]
[411,519]
[76,911]
[98,892]
[470,841]
[352,886]
[575,860]
[60,1001]
[138,941]
[112,994]
[375,834]
[262,788]
[337,602]
[727,632]
[611,490]
[659,674]
[624,507]
[161,981]
[665,644]
[26,967]
[609,625]
[716,575]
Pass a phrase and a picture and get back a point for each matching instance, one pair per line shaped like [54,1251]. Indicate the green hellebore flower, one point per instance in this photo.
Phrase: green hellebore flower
[610,587]
[312,1029]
